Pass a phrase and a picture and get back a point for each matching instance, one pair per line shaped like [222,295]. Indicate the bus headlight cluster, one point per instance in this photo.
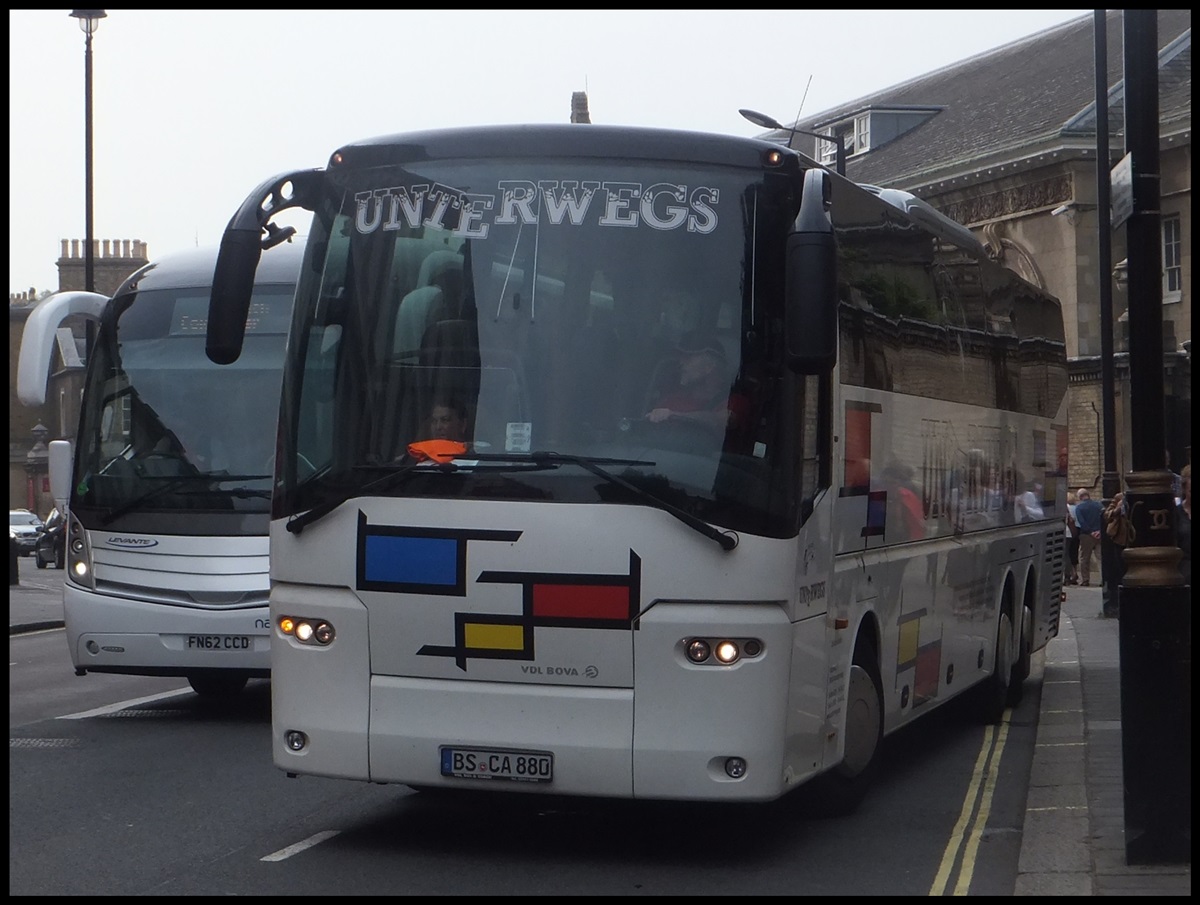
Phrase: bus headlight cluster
[307,631]
[78,554]
[721,651]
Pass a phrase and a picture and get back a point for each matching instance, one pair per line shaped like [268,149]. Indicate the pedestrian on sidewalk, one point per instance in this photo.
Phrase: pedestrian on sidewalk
[1072,539]
[1089,516]
[1183,523]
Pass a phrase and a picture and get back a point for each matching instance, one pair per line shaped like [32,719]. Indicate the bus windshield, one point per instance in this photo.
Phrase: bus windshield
[616,313]
[170,431]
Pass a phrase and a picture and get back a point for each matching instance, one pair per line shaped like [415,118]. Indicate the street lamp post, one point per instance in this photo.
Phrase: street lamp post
[1110,564]
[89,21]
[767,122]
[1155,612]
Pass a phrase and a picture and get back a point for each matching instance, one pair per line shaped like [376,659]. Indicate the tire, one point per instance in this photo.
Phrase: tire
[994,691]
[841,790]
[40,564]
[1024,662]
[217,685]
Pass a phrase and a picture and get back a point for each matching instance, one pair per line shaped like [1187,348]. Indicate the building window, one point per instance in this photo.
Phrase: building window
[855,135]
[1172,250]
[862,133]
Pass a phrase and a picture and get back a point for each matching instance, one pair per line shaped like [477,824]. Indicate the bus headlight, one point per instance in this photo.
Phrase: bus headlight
[728,651]
[79,554]
[721,651]
[307,631]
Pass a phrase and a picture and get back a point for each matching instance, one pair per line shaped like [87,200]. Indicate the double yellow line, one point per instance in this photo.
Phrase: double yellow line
[977,805]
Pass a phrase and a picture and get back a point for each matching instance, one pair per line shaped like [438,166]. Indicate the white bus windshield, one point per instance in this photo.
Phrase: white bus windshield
[609,311]
[171,432]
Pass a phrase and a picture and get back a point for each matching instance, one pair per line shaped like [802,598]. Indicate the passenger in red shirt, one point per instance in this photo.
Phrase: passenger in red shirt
[897,479]
[702,393]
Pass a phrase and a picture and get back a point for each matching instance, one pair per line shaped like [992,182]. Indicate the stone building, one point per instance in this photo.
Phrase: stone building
[1006,143]
[30,428]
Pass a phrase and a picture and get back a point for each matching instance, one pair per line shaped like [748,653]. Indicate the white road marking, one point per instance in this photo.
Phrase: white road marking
[122,705]
[300,846]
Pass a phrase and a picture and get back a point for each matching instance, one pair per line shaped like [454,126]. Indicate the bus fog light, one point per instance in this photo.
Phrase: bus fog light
[698,651]
[323,633]
[296,740]
[735,767]
[727,651]
[752,647]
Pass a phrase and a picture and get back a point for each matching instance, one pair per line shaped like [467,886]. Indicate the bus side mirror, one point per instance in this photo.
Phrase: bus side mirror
[233,284]
[59,463]
[811,329]
[241,247]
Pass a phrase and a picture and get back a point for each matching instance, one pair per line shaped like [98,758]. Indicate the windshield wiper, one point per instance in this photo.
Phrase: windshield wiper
[539,460]
[171,485]
[394,473]
[727,539]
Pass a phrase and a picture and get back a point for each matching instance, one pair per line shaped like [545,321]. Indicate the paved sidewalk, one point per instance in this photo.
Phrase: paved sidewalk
[36,601]
[1073,842]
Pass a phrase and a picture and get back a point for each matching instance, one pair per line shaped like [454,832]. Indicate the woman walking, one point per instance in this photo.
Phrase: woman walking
[1072,531]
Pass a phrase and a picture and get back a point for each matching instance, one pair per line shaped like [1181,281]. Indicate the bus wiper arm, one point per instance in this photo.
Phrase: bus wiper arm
[394,474]
[129,505]
[727,539]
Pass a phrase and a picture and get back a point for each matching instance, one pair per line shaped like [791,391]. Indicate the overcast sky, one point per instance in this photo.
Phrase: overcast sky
[192,109]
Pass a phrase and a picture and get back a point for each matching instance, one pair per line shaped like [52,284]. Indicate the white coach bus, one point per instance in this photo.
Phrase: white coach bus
[613,583]
[166,548]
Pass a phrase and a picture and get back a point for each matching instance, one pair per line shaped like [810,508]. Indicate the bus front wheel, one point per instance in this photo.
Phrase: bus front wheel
[842,789]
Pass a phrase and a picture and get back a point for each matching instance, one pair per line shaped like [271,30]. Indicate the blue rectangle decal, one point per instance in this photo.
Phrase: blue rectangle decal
[412,560]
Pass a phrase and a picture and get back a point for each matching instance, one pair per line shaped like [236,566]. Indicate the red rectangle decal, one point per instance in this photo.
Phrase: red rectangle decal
[576,601]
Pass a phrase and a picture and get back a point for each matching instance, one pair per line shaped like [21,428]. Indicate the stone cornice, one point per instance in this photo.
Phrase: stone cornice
[1009,201]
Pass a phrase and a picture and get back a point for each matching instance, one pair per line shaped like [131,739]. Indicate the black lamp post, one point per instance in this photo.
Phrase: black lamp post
[766,122]
[89,21]
[1155,605]
[1110,564]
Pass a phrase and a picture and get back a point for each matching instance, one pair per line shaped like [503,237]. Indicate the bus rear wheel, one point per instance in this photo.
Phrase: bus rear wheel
[217,685]
[994,691]
[1024,662]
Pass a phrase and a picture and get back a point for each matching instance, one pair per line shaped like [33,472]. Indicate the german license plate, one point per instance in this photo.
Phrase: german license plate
[219,642]
[497,763]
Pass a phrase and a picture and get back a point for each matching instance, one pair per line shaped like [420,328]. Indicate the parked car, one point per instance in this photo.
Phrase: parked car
[51,545]
[26,527]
